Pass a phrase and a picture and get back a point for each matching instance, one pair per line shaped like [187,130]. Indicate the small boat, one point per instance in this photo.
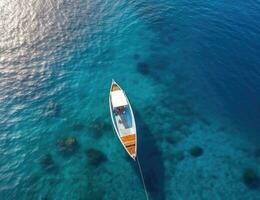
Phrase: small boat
[123,119]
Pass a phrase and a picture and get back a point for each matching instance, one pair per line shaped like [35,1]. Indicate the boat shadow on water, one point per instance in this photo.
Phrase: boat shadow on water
[151,161]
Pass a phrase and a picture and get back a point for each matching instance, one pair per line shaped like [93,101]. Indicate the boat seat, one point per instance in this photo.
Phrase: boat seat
[129,140]
[115,87]
[131,149]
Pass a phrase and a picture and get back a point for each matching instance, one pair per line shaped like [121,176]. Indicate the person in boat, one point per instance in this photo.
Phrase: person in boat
[119,110]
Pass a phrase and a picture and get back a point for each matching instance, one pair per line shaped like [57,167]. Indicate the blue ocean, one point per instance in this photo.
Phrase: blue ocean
[191,70]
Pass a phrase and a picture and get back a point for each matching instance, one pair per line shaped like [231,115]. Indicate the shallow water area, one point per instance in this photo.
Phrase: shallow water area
[189,69]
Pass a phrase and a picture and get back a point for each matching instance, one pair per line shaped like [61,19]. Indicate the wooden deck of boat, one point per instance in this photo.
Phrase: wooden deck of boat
[129,142]
[115,87]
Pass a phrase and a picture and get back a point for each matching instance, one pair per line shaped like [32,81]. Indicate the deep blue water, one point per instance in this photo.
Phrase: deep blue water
[190,69]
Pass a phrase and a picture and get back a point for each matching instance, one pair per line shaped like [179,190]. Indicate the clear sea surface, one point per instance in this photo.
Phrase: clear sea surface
[191,70]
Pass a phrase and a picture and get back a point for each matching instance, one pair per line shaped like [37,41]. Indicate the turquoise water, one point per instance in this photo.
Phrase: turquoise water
[190,70]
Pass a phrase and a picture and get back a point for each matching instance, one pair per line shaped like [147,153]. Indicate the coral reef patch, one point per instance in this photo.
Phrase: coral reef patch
[196,151]
[143,68]
[67,146]
[95,157]
[48,163]
[251,178]
[171,139]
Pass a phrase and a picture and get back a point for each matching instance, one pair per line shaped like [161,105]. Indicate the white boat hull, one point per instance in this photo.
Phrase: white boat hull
[123,121]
